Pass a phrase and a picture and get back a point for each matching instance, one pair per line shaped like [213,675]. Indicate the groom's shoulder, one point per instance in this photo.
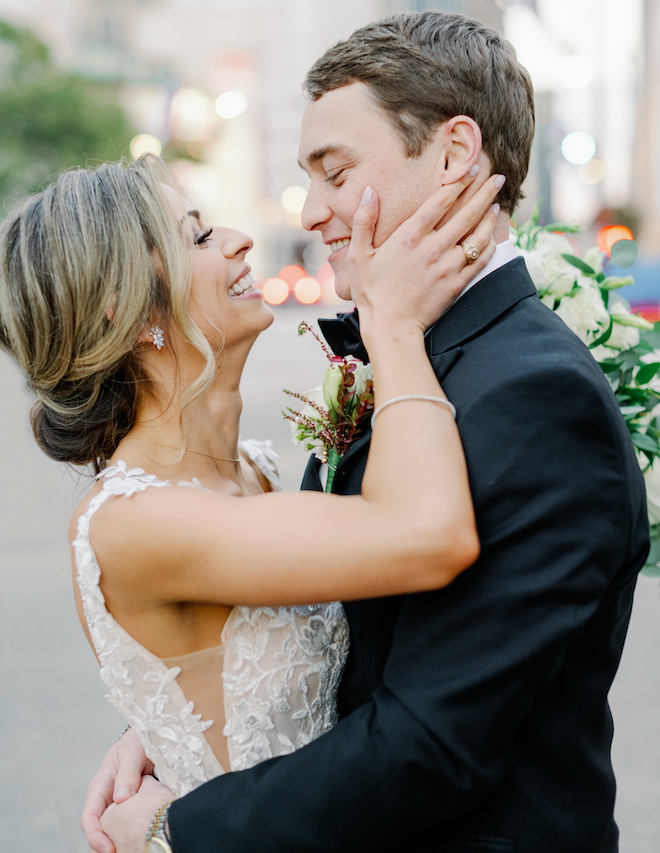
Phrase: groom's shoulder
[503,313]
[516,338]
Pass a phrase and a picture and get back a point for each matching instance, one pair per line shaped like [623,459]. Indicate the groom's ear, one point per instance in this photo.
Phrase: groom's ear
[459,147]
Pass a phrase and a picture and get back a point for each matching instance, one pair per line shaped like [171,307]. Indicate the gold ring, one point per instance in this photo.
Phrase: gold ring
[471,252]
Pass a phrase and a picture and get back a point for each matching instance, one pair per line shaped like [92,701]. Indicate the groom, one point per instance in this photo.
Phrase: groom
[474,718]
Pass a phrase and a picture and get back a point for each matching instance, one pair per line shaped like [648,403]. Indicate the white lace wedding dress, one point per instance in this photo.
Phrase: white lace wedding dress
[269,688]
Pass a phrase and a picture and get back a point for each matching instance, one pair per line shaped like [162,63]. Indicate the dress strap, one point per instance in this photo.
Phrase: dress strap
[265,458]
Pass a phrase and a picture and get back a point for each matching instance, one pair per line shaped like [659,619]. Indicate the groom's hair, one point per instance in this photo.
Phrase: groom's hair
[423,68]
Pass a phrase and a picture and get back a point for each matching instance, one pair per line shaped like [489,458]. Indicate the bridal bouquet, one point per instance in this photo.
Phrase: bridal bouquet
[334,411]
[626,346]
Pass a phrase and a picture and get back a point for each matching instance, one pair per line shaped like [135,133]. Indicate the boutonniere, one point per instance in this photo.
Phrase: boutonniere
[336,411]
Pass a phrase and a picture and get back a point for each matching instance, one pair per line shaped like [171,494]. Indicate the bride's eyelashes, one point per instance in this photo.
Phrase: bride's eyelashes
[203,237]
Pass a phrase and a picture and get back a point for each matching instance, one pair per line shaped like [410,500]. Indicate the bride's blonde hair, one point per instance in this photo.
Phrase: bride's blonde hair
[78,285]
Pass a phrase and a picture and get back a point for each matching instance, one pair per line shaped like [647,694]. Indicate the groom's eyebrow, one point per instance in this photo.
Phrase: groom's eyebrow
[319,153]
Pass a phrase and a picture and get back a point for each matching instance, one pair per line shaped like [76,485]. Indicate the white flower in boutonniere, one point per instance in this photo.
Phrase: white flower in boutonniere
[625,345]
[336,411]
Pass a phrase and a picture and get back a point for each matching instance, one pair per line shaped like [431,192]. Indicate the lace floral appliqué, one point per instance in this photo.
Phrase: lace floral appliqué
[281,672]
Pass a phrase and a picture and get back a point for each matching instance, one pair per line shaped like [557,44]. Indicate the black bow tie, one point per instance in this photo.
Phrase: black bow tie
[343,336]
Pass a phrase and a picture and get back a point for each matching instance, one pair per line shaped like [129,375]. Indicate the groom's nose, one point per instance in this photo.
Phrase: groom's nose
[316,212]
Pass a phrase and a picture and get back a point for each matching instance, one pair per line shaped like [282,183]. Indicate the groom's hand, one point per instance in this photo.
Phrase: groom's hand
[119,778]
[126,824]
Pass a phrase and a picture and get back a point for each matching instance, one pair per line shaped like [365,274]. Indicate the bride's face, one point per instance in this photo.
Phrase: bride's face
[224,302]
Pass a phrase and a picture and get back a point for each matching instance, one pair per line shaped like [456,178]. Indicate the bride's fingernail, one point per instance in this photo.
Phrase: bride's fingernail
[367,195]
[124,793]
[474,170]
[496,209]
[500,180]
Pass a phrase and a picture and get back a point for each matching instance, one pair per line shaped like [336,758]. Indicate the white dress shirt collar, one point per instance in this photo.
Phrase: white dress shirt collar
[504,253]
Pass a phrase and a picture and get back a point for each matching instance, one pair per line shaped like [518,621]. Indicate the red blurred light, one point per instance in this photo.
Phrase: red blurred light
[291,274]
[325,276]
[611,234]
[275,291]
[648,312]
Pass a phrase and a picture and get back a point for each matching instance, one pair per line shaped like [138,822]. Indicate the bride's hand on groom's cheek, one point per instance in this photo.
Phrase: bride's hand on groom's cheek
[418,272]
[126,824]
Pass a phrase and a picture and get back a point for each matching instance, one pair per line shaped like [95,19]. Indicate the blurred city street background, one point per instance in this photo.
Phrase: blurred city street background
[214,85]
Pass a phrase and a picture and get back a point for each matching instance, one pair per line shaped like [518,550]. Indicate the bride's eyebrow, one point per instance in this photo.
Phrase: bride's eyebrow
[194,213]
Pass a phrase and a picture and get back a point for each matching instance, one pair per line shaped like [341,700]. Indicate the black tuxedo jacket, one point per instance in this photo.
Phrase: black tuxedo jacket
[475,718]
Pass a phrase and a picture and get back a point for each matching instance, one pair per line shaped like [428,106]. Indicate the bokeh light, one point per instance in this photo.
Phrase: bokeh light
[325,276]
[577,71]
[291,274]
[592,172]
[145,143]
[307,291]
[231,104]
[611,234]
[192,114]
[293,198]
[578,147]
[275,291]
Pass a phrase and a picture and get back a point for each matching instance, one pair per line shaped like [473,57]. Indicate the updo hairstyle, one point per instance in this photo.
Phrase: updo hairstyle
[78,284]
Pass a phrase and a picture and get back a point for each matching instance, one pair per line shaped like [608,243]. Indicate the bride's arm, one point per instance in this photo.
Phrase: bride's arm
[413,526]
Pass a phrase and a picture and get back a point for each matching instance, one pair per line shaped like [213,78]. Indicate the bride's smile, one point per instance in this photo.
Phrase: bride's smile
[224,301]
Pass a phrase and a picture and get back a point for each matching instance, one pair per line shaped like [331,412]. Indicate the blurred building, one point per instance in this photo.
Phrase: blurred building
[646,168]
[218,83]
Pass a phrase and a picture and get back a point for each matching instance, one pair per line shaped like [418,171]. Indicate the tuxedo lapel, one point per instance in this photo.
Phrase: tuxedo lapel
[478,308]
[444,361]
[467,318]
[356,450]
[311,480]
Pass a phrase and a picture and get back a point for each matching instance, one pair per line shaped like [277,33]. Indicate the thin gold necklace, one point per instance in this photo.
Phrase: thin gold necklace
[187,450]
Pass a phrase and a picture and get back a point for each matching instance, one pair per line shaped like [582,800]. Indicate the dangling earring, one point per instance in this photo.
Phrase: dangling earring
[157,334]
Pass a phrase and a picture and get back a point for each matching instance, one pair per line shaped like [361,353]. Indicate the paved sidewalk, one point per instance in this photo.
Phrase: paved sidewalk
[55,725]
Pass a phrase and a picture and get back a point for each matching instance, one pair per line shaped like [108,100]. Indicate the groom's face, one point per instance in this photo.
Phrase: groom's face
[348,143]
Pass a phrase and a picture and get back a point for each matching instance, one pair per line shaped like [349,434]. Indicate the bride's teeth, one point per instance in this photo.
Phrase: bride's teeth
[338,244]
[242,285]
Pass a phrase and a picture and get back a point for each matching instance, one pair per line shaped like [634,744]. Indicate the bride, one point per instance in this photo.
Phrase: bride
[132,320]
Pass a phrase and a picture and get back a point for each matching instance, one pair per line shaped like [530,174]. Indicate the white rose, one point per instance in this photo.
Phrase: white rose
[535,267]
[552,243]
[584,313]
[622,337]
[314,395]
[601,352]
[594,257]
[548,270]
[625,332]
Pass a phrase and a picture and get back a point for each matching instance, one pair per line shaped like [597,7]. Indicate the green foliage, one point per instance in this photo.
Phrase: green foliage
[50,120]
[624,253]
[652,565]
[632,368]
